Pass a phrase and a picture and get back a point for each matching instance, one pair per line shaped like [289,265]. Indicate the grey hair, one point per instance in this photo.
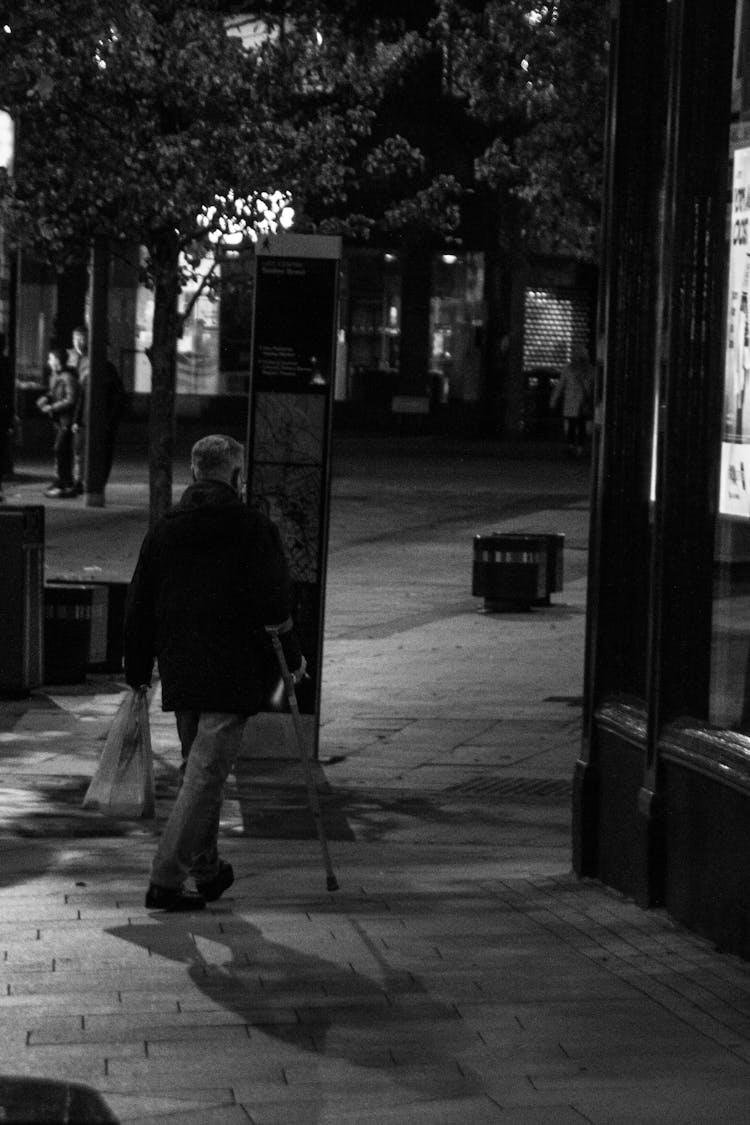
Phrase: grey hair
[216,456]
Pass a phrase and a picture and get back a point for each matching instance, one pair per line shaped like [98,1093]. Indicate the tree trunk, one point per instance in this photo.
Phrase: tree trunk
[416,280]
[95,418]
[503,390]
[161,419]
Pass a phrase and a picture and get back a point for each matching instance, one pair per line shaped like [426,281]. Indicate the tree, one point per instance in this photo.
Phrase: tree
[533,76]
[492,136]
[148,124]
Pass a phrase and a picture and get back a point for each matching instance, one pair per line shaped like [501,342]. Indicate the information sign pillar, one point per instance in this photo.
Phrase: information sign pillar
[295,310]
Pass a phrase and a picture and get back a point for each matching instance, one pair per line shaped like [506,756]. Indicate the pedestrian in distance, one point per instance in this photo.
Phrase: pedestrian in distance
[7,410]
[59,404]
[210,579]
[575,387]
[114,404]
[78,361]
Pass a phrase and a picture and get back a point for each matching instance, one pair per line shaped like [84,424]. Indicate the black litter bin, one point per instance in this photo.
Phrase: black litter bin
[513,570]
[21,598]
[74,631]
[106,642]
[27,1100]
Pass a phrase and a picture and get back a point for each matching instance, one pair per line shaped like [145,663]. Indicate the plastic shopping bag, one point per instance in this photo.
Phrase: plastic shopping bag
[123,784]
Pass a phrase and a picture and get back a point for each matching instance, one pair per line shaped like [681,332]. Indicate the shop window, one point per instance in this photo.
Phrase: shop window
[197,347]
[730,642]
[456,320]
[35,322]
[556,324]
[371,324]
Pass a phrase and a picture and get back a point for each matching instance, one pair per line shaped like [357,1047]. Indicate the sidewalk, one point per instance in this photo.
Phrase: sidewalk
[461,973]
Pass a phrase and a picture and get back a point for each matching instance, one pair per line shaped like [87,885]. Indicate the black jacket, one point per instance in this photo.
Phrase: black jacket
[114,396]
[62,396]
[211,574]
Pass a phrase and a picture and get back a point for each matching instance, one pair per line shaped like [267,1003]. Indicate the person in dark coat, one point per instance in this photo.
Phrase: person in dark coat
[211,577]
[7,410]
[114,405]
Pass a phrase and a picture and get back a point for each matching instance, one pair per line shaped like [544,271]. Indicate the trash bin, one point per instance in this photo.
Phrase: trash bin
[106,644]
[74,630]
[21,598]
[514,570]
[555,544]
[23,1100]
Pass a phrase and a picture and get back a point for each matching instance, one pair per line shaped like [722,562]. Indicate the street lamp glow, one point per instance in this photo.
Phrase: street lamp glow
[7,140]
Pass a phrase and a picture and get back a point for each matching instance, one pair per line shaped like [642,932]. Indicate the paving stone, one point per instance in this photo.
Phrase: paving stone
[132,1107]
[118,1028]
[454,1111]
[205,1115]
[182,1072]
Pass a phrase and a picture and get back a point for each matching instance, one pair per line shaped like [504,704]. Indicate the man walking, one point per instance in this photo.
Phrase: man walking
[210,578]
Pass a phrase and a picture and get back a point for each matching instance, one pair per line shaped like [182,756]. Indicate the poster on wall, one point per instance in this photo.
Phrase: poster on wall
[289,430]
[734,498]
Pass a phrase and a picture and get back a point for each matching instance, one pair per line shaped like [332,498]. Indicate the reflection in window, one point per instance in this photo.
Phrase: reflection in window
[730,640]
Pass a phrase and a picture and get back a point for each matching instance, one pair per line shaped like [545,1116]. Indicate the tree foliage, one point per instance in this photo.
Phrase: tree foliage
[133,118]
[533,76]
[501,100]
[492,136]
[147,123]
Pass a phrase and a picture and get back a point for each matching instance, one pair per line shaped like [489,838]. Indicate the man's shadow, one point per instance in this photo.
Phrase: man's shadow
[261,980]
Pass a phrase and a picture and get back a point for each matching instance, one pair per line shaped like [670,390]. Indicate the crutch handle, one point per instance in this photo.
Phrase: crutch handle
[290,678]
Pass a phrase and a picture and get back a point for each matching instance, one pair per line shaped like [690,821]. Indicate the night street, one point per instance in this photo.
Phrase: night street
[461,973]
[375,562]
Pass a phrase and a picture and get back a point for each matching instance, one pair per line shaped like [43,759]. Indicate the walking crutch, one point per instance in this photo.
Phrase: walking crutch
[312,792]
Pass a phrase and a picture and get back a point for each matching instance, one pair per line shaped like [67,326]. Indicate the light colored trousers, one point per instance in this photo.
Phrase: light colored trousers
[210,743]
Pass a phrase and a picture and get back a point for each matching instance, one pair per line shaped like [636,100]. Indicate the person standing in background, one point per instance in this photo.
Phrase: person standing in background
[114,403]
[78,361]
[575,387]
[59,404]
[7,409]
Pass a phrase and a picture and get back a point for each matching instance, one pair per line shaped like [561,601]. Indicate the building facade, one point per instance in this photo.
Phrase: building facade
[557,301]
[662,786]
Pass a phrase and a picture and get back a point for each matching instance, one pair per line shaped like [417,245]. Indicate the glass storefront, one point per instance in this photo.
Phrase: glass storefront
[215,345]
[197,348]
[661,805]
[730,640]
[371,324]
[456,320]
[35,321]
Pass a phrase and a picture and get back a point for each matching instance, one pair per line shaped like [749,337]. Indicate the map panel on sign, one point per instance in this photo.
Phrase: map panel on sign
[291,496]
[289,428]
